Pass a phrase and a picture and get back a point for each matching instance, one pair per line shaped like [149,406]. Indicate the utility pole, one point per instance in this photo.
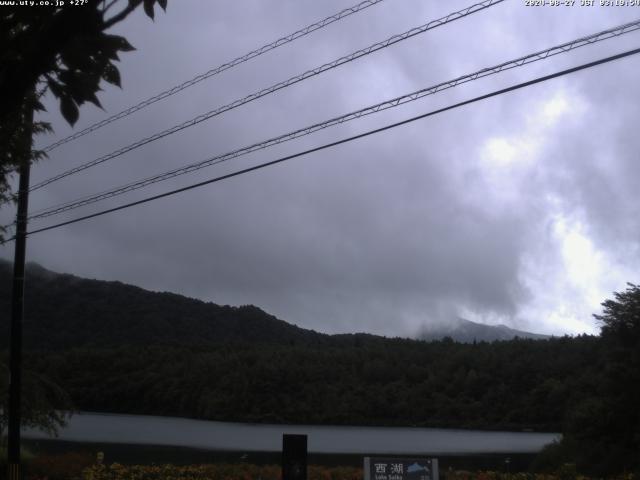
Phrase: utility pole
[17,304]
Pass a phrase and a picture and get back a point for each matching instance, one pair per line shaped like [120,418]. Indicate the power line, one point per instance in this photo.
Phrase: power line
[533,57]
[219,69]
[345,140]
[278,86]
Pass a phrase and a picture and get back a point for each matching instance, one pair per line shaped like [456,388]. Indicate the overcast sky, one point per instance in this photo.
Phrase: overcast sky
[522,209]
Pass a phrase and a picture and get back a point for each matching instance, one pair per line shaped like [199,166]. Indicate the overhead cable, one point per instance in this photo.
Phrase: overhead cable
[394,102]
[219,69]
[345,140]
[278,86]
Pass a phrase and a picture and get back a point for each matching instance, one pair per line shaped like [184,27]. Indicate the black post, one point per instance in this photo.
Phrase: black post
[17,308]
[294,457]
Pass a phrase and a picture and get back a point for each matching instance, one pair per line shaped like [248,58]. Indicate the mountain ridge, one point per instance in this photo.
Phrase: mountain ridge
[64,310]
[465,331]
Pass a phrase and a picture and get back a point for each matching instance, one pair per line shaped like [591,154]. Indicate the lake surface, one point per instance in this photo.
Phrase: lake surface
[182,432]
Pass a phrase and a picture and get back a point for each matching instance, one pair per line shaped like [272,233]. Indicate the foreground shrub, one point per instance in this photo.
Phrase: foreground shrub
[272,472]
[211,472]
[567,472]
[67,466]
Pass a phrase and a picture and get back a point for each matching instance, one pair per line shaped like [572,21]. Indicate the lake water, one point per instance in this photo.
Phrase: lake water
[182,432]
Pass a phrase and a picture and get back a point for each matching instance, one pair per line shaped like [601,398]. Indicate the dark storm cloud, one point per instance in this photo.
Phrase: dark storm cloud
[415,225]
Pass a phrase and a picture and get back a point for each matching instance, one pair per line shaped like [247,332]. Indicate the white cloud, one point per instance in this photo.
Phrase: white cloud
[569,277]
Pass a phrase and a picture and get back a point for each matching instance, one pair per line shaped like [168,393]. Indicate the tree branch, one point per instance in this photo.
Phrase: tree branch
[111,4]
[120,16]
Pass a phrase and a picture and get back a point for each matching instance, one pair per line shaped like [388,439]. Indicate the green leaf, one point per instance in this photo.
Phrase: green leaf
[116,42]
[148,7]
[125,46]
[38,106]
[55,88]
[42,127]
[78,57]
[112,54]
[69,110]
[91,97]
[112,75]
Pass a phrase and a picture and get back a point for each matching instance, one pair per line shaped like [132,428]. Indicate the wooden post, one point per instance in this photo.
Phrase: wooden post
[17,309]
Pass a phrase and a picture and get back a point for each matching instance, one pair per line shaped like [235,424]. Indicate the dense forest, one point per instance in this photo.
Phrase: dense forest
[117,348]
[508,385]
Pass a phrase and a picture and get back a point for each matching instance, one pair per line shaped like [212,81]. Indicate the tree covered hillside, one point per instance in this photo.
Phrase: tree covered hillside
[119,348]
[64,311]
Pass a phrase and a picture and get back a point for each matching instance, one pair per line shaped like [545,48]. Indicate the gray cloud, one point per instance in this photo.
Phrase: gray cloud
[419,224]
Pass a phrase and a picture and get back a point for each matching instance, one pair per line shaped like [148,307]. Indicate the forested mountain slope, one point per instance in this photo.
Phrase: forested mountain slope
[119,348]
[64,311]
